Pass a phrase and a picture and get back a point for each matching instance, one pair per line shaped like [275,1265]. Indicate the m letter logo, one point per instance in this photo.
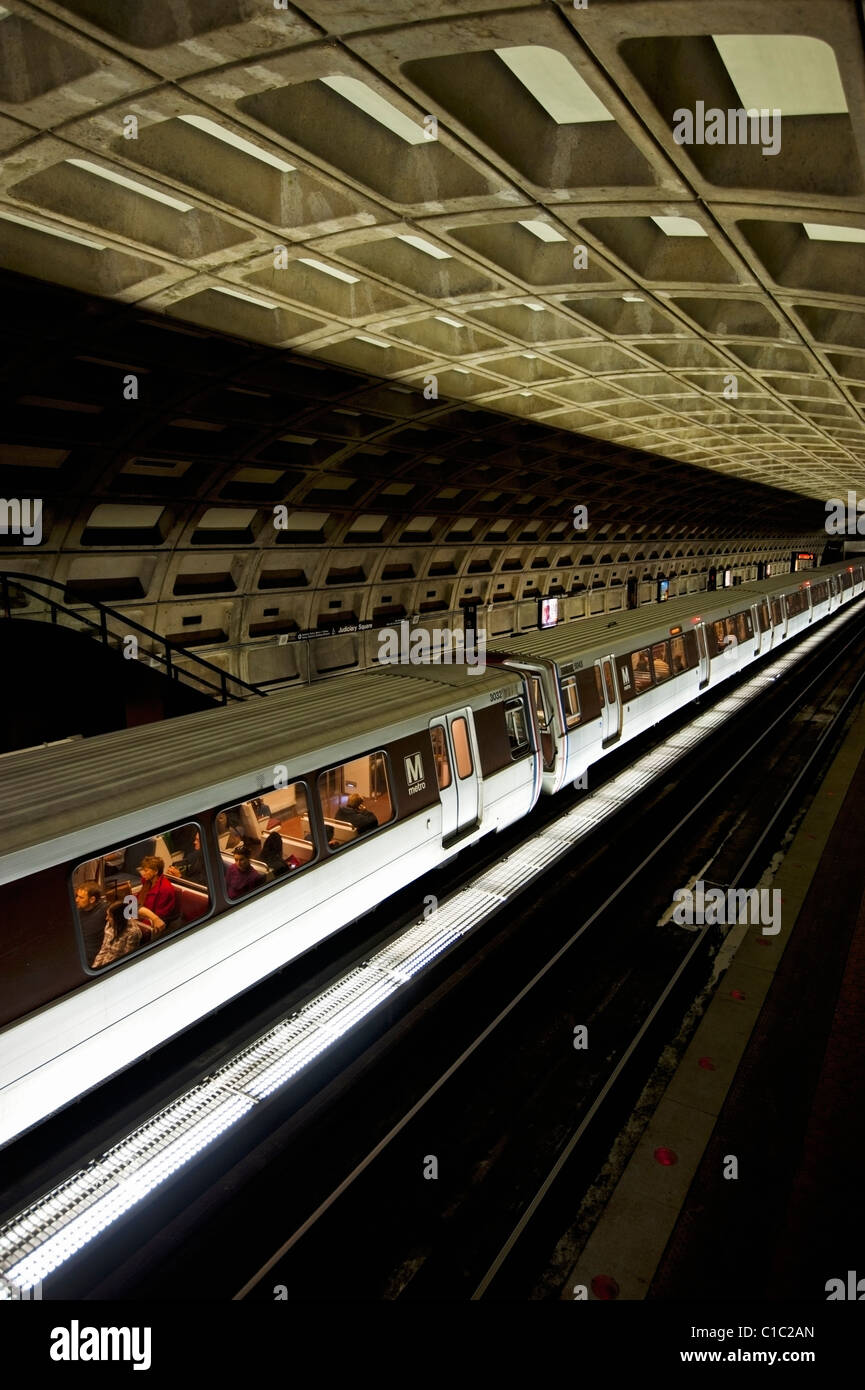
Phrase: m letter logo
[414,768]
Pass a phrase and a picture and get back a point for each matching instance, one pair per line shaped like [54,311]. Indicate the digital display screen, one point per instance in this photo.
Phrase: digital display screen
[548,612]
[663,590]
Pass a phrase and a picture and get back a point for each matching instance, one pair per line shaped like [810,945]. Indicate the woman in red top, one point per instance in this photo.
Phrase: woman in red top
[156,891]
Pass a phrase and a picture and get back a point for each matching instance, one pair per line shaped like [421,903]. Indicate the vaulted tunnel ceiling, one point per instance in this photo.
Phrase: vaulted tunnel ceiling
[137,430]
[253,128]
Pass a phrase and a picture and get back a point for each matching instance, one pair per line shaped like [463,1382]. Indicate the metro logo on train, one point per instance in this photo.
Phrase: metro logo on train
[414,773]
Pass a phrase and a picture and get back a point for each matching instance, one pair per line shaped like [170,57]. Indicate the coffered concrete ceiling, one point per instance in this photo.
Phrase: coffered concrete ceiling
[401,188]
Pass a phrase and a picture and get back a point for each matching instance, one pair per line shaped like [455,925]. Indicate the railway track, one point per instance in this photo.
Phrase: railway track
[482,1233]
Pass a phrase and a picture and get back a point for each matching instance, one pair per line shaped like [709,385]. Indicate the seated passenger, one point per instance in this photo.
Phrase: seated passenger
[356,813]
[124,934]
[260,809]
[91,915]
[155,891]
[271,855]
[241,877]
[192,866]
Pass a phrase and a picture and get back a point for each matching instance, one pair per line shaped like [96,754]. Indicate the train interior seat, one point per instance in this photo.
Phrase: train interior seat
[194,903]
[337,830]
[301,849]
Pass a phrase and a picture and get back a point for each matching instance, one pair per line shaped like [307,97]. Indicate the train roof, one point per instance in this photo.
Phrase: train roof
[112,781]
[605,632]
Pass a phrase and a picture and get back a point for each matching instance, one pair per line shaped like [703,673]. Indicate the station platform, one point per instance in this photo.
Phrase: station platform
[747,1181]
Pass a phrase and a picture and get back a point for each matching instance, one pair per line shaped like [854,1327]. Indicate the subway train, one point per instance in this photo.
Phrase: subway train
[149,875]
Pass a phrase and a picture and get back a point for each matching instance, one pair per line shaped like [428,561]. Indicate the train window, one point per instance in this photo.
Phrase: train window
[719,631]
[678,656]
[543,721]
[440,756]
[642,670]
[355,798]
[570,701]
[661,662]
[515,718]
[795,604]
[264,839]
[763,617]
[777,615]
[140,892]
[610,683]
[589,691]
[462,748]
[738,628]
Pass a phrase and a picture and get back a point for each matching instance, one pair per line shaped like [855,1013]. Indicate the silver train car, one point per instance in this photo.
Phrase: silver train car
[150,875]
[601,681]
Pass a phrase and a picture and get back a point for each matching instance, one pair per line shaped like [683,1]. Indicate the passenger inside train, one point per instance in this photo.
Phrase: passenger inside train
[191,867]
[240,876]
[356,813]
[124,934]
[259,841]
[355,798]
[158,872]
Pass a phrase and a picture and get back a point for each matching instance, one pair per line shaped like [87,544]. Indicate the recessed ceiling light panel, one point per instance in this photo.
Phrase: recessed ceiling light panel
[227,137]
[791,73]
[426,246]
[555,84]
[329,270]
[679,226]
[542,230]
[371,104]
[133,185]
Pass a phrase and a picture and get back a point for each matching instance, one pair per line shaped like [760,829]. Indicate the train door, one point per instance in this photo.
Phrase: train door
[755,624]
[456,764]
[547,744]
[703,653]
[612,712]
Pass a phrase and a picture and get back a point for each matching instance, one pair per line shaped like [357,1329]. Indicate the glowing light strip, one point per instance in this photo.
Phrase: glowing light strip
[111,177]
[426,246]
[554,83]
[375,106]
[329,270]
[227,137]
[247,298]
[42,1237]
[52,231]
[832,231]
[542,230]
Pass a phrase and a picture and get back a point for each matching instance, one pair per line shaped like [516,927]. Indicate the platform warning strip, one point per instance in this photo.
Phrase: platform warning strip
[625,1249]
